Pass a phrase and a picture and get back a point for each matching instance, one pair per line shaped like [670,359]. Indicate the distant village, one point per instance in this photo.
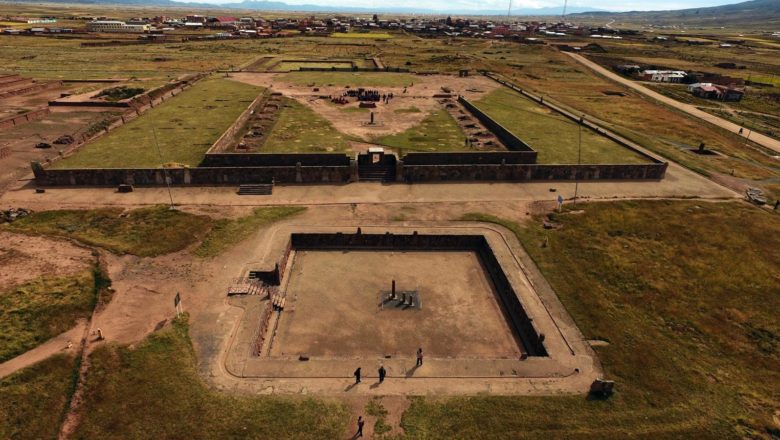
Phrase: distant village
[202,27]
[237,27]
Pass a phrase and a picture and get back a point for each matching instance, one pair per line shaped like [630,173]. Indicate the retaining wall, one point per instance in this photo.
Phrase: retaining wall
[352,69]
[625,143]
[24,118]
[226,141]
[533,340]
[34,87]
[508,138]
[274,159]
[471,158]
[190,176]
[530,172]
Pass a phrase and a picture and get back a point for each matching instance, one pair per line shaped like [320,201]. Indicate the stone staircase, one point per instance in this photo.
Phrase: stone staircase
[258,189]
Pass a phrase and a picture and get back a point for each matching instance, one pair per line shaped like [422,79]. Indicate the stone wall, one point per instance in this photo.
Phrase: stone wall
[508,138]
[34,87]
[24,118]
[531,172]
[533,340]
[190,176]
[471,157]
[274,159]
[582,119]
[228,138]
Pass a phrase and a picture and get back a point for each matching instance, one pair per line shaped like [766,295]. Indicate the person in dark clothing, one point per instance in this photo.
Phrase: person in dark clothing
[361,422]
[419,357]
[382,373]
[777,203]
[357,375]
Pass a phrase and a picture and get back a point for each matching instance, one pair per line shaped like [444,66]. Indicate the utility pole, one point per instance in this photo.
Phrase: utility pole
[165,171]
[509,11]
[563,16]
[579,160]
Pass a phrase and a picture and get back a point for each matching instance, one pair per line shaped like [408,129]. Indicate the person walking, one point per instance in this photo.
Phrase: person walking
[382,373]
[361,422]
[357,375]
[419,357]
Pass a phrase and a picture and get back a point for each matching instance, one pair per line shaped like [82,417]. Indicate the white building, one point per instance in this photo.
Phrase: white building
[670,76]
[115,26]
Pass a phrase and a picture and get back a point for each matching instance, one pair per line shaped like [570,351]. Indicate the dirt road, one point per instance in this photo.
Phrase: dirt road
[758,138]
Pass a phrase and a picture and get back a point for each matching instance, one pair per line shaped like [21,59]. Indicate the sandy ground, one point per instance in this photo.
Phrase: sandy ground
[387,118]
[21,141]
[24,257]
[333,307]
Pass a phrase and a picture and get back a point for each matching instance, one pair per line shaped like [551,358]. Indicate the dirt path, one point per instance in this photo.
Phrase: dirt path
[51,347]
[758,138]
[394,406]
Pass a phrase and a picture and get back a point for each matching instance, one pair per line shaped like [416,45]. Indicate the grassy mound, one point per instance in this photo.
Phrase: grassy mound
[33,400]
[144,232]
[228,232]
[154,391]
[38,310]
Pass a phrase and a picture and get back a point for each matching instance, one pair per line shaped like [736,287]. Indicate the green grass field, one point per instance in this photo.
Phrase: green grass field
[552,135]
[154,391]
[353,79]
[694,340]
[437,132]
[145,232]
[300,130]
[36,311]
[33,400]
[186,126]
[228,232]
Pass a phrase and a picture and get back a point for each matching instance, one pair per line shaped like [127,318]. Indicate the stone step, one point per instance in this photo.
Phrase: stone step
[260,189]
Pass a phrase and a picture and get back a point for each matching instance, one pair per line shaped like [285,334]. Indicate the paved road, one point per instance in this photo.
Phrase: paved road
[758,138]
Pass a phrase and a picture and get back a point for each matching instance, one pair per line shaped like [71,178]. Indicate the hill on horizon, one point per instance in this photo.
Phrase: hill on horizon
[753,13]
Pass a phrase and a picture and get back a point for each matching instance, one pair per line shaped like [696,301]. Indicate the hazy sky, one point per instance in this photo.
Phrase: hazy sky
[444,5]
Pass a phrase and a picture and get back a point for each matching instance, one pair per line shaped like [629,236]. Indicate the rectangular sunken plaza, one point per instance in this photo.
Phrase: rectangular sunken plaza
[319,303]
[334,308]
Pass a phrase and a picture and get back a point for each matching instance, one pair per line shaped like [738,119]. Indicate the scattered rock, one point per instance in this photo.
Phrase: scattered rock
[12,214]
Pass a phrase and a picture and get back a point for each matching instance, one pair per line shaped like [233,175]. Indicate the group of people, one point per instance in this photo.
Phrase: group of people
[382,373]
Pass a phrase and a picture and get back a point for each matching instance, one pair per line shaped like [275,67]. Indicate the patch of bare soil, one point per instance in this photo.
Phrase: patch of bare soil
[24,257]
[396,116]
